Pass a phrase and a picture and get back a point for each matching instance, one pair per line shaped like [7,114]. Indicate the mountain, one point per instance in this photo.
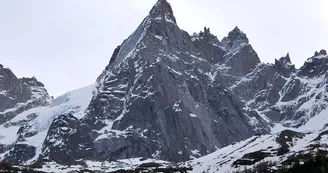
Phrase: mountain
[157,98]
[22,136]
[18,95]
[274,151]
[167,95]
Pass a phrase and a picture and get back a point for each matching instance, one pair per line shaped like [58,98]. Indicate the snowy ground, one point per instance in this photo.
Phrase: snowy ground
[74,102]
[102,166]
[222,161]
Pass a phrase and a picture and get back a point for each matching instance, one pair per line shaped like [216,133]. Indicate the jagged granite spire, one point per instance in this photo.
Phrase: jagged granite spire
[168,96]
[284,65]
[241,55]
[158,27]
[235,38]
[315,65]
[321,52]
[15,91]
[158,91]
[285,60]
[163,9]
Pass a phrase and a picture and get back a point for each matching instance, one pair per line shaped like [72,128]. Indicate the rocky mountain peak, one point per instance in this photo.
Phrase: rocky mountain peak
[208,36]
[235,39]
[158,79]
[241,56]
[164,95]
[162,9]
[7,79]
[315,65]
[158,29]
[317,55]
[236,30]
[32,81]
[284,65]
[285,61]
[18,95]
[321,52]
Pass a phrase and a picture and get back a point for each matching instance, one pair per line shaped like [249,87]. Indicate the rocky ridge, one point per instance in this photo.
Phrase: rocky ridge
[164,95]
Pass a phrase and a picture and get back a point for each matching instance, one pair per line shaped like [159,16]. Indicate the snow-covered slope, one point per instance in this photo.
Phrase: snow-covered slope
[22,137]
[171,96]
[278,149]
[18,95]
[103,166]
[283,94]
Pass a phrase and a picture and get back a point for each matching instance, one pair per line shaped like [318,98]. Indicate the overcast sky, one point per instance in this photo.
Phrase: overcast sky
[67,43]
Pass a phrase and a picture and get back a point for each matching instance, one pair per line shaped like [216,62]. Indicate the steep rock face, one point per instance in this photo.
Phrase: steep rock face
[24,138]
[210,47]
[279,149]
[18,95]
[285,66]
[262,84]
[241,56]
[315,66]
[20,153]
[231,59]
[12,91]
[157,97]
[163,95]
[283,94]
[67,132]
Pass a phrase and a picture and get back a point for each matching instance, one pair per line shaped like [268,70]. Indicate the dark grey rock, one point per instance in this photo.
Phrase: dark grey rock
[240,56]
[67,141]
[284,66]
[211,48]
[20,153]
[241,61]
[171,96]
[293,90]
[159,100]
[18,95]
[315,66]
[323,52]
[13,91]
[235,39]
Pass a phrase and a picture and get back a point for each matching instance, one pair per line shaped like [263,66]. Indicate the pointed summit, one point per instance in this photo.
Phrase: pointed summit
[322,52]
[285,66]
[162,9]
[235,38]
[286,59]
[288,55]
[160,23]
[236,30]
